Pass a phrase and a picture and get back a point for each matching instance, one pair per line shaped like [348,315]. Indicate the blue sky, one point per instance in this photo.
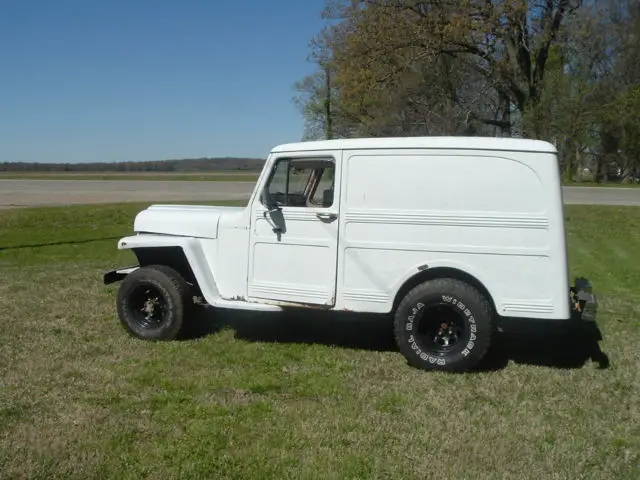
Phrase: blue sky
[118,80]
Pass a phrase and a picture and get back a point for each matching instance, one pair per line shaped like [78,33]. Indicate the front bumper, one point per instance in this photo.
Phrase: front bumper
[116,275]
[584,304]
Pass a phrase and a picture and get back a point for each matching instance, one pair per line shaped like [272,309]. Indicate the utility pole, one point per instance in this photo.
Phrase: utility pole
[327,105]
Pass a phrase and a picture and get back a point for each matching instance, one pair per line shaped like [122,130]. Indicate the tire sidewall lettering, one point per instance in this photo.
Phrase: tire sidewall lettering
[424,356]
[473,327]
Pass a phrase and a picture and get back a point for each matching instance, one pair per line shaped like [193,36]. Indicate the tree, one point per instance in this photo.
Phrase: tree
[440,66]
[566,71]
[616,125]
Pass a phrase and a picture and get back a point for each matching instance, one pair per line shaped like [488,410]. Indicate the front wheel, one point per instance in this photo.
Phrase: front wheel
[152,303]
[444,324]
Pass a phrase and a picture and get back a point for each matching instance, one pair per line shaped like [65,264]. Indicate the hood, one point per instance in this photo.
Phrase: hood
[182,220]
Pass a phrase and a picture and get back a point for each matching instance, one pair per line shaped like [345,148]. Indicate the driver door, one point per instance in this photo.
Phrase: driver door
[294,232]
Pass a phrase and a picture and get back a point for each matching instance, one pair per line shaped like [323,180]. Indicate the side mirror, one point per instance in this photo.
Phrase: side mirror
[272,208]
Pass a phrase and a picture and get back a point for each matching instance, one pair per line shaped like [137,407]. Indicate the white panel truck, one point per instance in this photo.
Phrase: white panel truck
[444,234]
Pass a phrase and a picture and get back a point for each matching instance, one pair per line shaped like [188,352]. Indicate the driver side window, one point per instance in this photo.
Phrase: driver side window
[302,182]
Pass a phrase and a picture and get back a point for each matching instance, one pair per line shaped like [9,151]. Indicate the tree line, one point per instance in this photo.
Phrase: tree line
[180,166]
[565,71]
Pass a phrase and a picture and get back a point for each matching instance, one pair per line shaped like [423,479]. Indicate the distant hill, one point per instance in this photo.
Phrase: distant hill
[183,165]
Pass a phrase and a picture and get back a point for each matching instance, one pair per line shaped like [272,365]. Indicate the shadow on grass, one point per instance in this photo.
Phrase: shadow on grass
[353,331]
[560,345]
[556,344]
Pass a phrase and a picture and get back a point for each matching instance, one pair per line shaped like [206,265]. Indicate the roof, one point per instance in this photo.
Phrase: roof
[468,143]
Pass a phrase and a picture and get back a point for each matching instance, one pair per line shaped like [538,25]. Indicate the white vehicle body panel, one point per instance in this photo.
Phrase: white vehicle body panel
[183,220]
[298,265]
[196,256]
[494,215]
[491,208]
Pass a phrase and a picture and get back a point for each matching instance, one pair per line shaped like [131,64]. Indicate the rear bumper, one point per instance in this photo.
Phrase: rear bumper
[116,275]
[584,304]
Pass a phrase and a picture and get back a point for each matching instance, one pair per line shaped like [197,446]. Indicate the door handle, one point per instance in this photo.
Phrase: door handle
[327,216]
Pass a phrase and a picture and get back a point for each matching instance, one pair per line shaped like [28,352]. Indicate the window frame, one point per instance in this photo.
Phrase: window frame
[312,182]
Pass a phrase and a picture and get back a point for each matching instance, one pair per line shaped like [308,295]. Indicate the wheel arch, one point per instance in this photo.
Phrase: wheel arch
[427,274]
[171,256]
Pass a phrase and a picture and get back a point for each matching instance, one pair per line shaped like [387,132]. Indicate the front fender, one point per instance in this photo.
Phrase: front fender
[192,249]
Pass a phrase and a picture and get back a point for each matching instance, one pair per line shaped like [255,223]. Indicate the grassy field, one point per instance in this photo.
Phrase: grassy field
[262,396]
[164,176]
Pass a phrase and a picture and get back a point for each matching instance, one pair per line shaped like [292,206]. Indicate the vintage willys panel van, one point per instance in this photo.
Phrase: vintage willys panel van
[445,234]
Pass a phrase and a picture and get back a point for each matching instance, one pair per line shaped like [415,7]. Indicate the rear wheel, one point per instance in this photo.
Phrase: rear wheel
[153,302]
[444,324]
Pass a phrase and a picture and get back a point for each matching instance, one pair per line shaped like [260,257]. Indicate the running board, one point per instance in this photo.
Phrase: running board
[242,305]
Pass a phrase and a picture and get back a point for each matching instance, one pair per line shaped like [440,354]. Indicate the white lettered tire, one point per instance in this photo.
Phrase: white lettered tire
[444,324]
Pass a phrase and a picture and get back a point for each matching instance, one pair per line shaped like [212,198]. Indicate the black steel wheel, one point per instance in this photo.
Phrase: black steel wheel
[440,327]
[444,324]
[149,309]
[153,302]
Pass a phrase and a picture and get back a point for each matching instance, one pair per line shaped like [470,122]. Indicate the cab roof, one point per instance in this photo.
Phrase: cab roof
[465,143]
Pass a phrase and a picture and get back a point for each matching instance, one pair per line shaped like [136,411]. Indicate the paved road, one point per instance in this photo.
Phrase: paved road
[602,196]
[20,193]
[25,193]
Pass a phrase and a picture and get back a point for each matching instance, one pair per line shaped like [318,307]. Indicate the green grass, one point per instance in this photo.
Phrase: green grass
[604,185]
[330,399]
[204,177]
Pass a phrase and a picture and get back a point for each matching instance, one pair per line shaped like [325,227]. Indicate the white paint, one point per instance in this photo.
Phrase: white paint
[447,143]
[489,207]
[300,264]
[183,220]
